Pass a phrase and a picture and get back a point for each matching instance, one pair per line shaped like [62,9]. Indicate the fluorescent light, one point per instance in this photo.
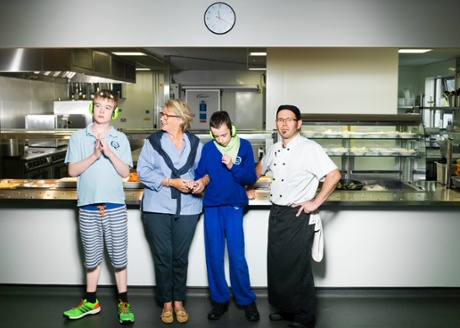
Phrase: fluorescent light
[129,53]
[414,51]
[257,53]
[142,69]
[257,69]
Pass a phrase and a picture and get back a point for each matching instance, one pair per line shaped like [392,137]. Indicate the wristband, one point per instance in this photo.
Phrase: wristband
[167,182]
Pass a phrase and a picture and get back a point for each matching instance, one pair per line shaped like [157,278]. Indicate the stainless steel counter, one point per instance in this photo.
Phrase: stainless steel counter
[434,194]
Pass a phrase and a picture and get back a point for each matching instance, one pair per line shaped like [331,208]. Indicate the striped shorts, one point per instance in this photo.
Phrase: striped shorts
[104,223]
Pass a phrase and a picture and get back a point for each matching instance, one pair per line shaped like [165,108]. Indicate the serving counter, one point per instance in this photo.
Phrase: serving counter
[372,239]
[426,193]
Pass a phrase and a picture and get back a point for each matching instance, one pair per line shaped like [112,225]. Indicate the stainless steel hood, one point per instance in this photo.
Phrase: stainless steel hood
[66,65]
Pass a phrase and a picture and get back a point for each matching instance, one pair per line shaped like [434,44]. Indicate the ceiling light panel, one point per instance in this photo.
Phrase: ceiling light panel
[129,54]
[414,51]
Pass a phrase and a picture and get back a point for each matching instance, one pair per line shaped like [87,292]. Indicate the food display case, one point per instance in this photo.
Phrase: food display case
[380,149]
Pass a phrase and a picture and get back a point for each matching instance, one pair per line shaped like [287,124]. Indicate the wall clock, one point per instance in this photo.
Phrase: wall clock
[219,18]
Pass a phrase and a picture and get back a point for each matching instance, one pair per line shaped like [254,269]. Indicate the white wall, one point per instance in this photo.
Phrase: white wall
[321,80]
[364,247]
[259,23]
[408,78]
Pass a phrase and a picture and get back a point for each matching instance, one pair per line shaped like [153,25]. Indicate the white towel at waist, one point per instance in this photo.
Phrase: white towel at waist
[317,249]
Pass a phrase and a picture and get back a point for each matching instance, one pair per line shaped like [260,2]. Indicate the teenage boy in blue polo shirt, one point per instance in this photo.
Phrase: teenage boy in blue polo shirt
[99,156]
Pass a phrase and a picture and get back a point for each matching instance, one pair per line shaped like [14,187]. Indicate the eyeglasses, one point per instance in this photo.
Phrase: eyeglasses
[167,115]
[288,120]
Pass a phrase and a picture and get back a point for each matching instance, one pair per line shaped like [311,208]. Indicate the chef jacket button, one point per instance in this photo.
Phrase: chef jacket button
[284,163]
[281,196]
[282,180]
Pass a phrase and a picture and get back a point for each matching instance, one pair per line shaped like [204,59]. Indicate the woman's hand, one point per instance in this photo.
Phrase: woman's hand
[181,184]
[199,185]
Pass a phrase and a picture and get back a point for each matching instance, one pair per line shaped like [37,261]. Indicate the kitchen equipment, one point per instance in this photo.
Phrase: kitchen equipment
[441,173]
[348,184]
[13,147]
[75,112]
[450,148]
[45,122]
[37,163]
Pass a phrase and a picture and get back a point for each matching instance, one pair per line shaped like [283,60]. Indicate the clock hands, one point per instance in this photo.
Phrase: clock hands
[221,19]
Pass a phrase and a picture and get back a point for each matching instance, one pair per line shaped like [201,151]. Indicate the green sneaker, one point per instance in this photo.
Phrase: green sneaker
[125,313]
[84,308]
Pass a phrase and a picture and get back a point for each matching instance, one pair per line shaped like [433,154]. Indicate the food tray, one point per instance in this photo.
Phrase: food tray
[407,135]
[408,152]
[133,185]
[263,182]
[456,181]
[67,183]
[11,183]
[40,184]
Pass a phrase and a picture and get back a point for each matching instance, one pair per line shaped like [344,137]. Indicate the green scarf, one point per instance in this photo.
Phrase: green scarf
[232,147]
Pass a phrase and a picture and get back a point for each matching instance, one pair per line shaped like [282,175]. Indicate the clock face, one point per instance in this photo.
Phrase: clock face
[219,18]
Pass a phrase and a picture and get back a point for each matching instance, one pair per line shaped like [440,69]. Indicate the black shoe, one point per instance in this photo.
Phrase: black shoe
[251,313]
[217,311]
[309,324]
[296,325]
[280,316]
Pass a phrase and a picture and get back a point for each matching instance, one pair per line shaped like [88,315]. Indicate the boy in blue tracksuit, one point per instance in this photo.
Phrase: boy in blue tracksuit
[225,168]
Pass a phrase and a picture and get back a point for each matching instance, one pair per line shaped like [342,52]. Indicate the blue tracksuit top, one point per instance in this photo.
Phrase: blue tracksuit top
[226,187]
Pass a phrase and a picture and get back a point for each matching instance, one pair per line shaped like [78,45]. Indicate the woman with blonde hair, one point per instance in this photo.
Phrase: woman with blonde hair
[170,211]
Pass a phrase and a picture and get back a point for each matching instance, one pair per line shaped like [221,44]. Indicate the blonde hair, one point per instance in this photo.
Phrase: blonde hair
[180,108]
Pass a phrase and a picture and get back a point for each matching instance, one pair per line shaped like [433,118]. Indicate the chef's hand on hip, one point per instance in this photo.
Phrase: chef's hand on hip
[306,207]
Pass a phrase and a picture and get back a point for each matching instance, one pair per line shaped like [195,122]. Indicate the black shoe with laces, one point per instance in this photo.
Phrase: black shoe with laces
[251,312]
[217,311]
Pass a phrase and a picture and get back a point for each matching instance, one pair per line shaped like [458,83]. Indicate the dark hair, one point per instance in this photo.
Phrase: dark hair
[292,108]
[219,118]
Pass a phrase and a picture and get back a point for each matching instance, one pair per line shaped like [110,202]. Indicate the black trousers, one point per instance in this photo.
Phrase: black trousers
[170,241]
[291,286]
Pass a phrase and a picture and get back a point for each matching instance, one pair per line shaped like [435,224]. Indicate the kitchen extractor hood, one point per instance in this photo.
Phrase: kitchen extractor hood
[66,65]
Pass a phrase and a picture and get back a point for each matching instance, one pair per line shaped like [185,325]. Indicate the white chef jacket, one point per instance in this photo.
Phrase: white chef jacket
[297,170]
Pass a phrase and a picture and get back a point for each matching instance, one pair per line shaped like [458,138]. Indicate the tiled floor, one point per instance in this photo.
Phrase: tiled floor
[42,306]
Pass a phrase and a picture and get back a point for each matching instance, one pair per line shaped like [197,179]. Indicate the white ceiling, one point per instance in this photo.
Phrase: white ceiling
[220,58]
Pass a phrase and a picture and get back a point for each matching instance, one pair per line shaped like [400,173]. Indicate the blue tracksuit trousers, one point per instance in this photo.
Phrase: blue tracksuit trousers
[225,223]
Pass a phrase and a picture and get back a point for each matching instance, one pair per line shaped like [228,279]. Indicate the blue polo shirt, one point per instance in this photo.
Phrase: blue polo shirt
[100,183]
